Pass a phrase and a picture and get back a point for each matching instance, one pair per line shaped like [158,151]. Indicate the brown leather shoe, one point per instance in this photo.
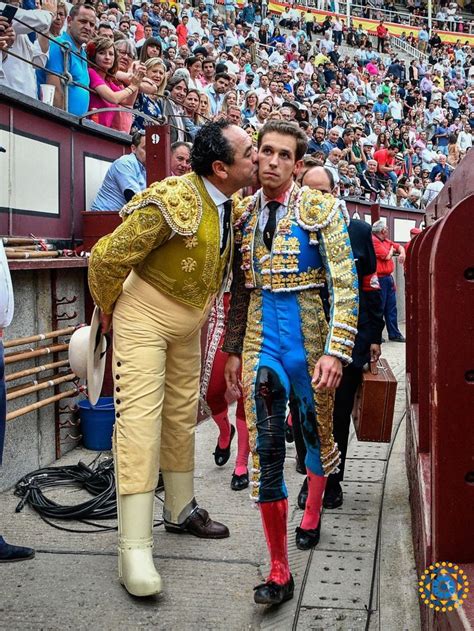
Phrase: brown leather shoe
[199,524]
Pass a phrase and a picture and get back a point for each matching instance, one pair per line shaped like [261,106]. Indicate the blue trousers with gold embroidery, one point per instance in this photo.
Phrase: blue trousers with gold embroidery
[274,364]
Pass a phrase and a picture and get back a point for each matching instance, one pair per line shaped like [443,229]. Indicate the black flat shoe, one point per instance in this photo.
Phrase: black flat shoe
[333,497]
[221,456]
[239,482]
[303,494]
[307,539]
[397,339]
[271,593]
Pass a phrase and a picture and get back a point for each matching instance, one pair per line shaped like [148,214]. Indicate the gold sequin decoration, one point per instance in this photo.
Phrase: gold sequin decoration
[314,329]
[251,358]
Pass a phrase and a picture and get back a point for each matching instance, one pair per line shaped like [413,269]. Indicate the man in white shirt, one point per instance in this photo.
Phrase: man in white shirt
[18,74]
[263,90]
[8,553]
[395,107]
[278,55]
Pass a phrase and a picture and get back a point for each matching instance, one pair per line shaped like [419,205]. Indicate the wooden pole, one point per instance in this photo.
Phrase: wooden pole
[36,370]
[44,350]
[41,386]
[20,241]
[20,341]
[32,255]
[41,404]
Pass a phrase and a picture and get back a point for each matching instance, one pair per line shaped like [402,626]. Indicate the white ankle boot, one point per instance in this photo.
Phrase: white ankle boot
[137,571]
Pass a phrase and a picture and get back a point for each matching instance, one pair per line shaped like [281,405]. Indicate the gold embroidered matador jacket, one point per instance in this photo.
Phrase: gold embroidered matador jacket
[170,236]
[311,248]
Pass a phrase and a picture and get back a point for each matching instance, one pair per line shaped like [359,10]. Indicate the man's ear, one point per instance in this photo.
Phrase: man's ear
[219,169]
[297,168]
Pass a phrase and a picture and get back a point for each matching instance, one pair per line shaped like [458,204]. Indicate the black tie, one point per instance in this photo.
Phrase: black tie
[270,226]
[225,232]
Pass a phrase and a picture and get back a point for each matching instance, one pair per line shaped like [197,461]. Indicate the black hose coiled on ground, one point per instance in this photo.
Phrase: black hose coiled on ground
[98,481]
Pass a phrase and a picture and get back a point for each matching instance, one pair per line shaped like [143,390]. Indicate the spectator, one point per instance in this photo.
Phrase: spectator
[442,167]
[332,163]
[155,72]
[18,74]
[433,189]
[173,107]
[382,33]
[124,178]
[152,47]
[180,161]
[370,181]
[80,28]
[385,251]
[385,159]
[217,90]
[101,52]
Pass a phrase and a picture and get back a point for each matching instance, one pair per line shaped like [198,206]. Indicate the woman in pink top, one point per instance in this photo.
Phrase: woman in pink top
[103,57]
[372,69]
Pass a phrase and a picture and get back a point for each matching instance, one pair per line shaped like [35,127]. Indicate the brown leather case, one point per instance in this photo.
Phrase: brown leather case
[374,404]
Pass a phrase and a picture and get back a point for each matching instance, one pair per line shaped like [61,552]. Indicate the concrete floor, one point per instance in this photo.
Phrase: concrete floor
[209,585]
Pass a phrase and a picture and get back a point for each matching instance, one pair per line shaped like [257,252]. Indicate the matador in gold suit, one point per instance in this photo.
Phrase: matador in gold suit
[158,273]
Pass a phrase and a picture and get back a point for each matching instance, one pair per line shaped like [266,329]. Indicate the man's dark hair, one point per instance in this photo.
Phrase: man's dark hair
[210,145]
[137,137]
[77,7]
[104,25]
[285,128]
[209,60]
[178,144]
[222,75]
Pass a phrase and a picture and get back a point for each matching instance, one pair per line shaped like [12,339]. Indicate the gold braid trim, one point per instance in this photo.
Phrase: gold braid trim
[314,210]
[314,329]
[178,200]
[251,359]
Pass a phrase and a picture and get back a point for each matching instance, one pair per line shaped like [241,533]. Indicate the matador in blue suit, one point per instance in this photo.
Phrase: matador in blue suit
[291,242]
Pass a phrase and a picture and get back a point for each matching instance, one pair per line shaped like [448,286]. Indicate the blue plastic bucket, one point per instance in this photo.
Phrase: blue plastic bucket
[97,423]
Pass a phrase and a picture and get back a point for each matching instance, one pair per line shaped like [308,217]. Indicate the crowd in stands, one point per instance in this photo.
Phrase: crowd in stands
[389,130]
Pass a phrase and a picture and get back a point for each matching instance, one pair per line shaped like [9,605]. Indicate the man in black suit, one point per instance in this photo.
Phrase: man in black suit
[367,342]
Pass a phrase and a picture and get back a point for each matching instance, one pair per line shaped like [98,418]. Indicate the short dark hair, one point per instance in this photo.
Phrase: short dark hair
[211,145]
[77,7]
[137,137]
[222,75]
[178,144]
[285,128]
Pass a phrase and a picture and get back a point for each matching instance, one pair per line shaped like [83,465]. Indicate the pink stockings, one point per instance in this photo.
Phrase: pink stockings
[316,486]
[274,518]
[222,421]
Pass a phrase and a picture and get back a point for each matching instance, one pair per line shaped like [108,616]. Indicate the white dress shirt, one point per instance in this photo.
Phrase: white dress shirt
[264,210]
[219,199]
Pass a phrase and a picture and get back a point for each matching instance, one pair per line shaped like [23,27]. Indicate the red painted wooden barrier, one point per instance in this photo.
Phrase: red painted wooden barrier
[440,392]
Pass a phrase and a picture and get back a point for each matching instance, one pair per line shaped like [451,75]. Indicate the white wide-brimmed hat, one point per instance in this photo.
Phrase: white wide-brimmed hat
[87,356]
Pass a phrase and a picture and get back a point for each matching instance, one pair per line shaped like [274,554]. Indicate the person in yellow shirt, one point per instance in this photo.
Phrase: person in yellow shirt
[321,59]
